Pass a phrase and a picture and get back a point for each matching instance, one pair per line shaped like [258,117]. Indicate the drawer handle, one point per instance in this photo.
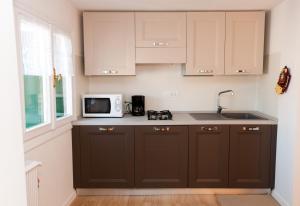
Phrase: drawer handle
[156,129]
[114,71]
[251,128]
[109,129]
[102,129]
[160,44]
[105,71]
[205,71]
[163,129]
[210,129]
[241,71]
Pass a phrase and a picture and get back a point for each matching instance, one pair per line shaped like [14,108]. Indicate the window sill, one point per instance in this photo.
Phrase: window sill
[39,135]
[64,120]
[37,141]
[36,131]
[45,128]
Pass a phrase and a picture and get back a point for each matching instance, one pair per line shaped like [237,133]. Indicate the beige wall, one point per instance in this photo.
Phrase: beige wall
[56,173]
[157,82]
[54,149]
[283,48]
[12,175]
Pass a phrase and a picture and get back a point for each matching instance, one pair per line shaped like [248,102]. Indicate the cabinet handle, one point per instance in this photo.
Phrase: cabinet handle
[163,129]
[205,71]
[241,71]
[105,71]
[114,71]
[160,44]
[102,129]
[210,129]
[251,128]
[156,129]
[109,129]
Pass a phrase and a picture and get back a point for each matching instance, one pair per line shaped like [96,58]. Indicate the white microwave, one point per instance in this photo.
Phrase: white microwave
[102,105]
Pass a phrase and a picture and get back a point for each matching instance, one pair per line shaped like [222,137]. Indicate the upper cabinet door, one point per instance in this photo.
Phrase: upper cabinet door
[205,43]
[160,37]
[160,29]
[244,42]
[109,43]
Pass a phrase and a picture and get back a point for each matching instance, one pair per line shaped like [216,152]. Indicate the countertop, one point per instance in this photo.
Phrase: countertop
[179,118]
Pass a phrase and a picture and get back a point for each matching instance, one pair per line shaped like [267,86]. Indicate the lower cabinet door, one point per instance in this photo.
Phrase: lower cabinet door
[161,156]
[250,156]
[107,156]
[208,156]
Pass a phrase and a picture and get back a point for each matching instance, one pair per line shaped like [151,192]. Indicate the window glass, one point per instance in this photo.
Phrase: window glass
[36,62]
[63,64]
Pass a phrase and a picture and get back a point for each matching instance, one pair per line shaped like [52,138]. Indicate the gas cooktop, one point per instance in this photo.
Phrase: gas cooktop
[159,115]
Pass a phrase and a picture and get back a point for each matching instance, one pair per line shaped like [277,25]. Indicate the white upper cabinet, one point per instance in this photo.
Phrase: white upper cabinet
[205,43]
[209,43]
[160,29]
[160,37]
[109,43]
[244,43]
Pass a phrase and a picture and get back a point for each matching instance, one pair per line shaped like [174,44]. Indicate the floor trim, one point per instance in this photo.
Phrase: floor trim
[279,198]
[180,191]
[70,199]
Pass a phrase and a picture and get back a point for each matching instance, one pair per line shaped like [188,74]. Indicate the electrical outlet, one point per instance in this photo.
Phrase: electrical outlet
[170,93]
[174,93]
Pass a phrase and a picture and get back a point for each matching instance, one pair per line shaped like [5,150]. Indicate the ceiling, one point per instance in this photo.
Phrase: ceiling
[175,4]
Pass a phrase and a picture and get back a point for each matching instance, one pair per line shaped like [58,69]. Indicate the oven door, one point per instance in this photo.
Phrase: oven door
[97,107]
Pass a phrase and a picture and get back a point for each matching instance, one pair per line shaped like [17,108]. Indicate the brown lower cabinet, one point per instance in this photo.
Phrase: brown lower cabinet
[203,156]
[250,162]
[161,156]
[106,157]
[208,156]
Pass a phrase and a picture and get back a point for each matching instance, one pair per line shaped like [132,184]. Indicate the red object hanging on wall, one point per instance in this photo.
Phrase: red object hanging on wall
[283,81]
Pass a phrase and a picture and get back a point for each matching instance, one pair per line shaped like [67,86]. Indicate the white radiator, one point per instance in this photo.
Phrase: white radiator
[32,182]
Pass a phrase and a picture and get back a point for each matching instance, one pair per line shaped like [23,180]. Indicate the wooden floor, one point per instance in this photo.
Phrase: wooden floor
[177,200]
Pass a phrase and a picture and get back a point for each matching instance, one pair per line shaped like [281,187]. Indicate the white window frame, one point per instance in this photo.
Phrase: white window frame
[53,123]
[58,122]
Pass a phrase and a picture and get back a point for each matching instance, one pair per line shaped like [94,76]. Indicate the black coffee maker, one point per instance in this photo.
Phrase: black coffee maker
[138,105]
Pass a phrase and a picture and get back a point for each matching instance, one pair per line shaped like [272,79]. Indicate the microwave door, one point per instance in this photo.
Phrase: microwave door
[97,106]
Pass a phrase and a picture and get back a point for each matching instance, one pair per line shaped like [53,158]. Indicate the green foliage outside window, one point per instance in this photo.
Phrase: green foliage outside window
[34,111]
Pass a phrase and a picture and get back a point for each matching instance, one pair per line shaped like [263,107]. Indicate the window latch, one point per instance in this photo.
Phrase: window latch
[56,78]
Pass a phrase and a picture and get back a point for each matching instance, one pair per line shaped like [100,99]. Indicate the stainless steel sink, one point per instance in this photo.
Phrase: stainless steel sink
[242,116]
[226,116]
[207,116]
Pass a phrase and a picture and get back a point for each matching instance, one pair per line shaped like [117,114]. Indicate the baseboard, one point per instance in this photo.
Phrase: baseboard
[179,191]
[279,198]
[70,199]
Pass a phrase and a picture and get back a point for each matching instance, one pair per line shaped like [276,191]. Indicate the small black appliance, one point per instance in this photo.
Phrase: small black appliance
[138,105]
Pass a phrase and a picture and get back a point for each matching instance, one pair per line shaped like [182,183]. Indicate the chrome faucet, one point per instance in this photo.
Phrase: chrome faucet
[220,108]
